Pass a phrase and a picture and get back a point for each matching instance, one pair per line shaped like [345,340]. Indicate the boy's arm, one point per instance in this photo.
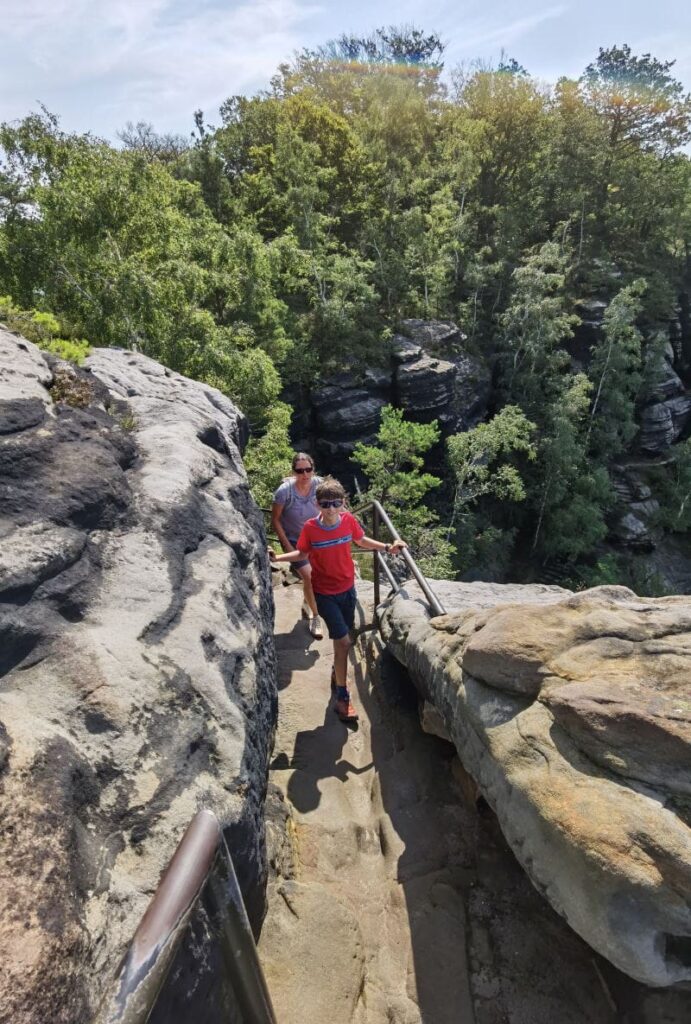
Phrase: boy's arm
[368,544]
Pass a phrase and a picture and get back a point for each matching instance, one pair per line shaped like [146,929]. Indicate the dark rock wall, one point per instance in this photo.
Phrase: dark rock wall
[430,375]
[137,676]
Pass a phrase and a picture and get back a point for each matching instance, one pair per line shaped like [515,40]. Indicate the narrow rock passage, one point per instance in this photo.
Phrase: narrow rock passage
[392,900]
[371,928]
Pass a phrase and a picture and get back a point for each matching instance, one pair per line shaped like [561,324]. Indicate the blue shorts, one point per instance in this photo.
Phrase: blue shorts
[338,612]
[301,563]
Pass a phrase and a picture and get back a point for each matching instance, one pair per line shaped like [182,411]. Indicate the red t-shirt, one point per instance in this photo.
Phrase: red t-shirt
[328,547]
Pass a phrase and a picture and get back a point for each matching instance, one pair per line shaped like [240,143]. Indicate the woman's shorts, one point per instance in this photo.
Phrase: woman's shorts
[294,566]
[338,612]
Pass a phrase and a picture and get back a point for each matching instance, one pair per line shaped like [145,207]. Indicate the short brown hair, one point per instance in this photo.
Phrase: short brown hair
[330,489]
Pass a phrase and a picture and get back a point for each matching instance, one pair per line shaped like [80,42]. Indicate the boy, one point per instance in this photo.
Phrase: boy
[326,541]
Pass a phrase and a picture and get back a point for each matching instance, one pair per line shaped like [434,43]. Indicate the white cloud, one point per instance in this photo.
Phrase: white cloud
[150,59]
[100,63]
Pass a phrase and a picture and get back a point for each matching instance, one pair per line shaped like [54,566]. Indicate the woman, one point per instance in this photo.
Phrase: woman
[294,503]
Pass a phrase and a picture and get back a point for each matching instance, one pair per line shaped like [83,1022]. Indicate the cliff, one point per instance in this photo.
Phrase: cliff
[137,676]
[572,713]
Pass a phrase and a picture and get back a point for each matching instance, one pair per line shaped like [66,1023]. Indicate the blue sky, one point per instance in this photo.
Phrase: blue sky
[100,63]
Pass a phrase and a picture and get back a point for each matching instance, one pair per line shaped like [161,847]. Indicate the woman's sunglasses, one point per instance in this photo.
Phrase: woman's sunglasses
[336,503]
[306,469]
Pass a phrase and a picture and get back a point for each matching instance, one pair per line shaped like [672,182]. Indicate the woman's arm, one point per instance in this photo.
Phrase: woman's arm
[287,556]
[276,513]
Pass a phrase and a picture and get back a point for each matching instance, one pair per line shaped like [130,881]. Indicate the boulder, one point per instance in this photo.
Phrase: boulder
[136,659]
[404,350]
[632,530]
[425,385]
[572,713]
[435,336]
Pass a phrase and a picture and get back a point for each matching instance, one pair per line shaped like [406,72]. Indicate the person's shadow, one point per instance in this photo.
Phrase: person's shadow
[294,653]
[317,755]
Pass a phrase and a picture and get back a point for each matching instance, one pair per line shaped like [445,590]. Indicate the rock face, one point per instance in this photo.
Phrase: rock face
[137,680]
[573,714]
[430,375]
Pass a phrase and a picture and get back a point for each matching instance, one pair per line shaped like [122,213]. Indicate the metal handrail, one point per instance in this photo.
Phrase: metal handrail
[379,516]
[380,565]
[201,863]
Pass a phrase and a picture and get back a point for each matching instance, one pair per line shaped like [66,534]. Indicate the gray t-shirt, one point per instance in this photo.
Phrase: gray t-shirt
[297,508]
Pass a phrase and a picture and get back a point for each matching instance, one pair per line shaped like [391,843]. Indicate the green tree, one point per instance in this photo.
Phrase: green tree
[533,329]
[394,470]
[573,493]
[615,371]
[268,454]
[481,459]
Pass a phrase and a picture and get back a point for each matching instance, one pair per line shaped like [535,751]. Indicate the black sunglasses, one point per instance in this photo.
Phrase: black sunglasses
[336,503]
[306,469]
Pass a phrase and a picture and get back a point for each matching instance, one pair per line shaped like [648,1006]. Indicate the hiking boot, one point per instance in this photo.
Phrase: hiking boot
[345,710]
[316,628]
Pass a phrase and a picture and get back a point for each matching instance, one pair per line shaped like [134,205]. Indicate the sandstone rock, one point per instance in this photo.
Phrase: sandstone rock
[668,383]
[633,531]
[631,729]
[431,722]
[425,384]
[588,332]
[431,376]
[24,373]
[404,350]
[360,414]
[572,713]
[663,423]
[433,335]
[138,681]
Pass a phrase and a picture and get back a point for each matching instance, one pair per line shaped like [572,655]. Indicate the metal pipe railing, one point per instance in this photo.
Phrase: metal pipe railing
[379,516]
[201,863]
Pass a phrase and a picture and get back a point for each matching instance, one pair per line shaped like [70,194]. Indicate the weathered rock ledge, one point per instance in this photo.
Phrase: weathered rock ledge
[573,714]
[137,676]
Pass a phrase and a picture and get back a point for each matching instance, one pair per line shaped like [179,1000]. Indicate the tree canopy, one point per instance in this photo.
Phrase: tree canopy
[366,185]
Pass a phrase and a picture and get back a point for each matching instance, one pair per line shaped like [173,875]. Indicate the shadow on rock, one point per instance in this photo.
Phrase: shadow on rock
[302,656]
[317,755]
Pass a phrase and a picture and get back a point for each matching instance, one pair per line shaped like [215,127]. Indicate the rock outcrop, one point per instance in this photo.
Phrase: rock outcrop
[430,375]
[572,712]
[137,676]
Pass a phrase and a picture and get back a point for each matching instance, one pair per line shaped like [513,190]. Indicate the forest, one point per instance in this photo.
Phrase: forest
[368,183]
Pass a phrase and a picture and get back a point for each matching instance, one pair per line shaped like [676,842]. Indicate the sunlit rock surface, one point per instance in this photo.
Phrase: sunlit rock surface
[137,680]
[573,714]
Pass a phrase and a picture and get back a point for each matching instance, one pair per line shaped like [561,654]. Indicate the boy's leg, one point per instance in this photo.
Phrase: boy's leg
[347,603]
[341,648]
[335,610]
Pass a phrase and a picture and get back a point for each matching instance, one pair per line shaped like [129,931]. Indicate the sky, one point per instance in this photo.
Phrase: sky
[100,63]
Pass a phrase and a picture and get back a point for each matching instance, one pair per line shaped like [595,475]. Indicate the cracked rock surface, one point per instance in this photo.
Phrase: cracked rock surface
[137,676]
[573,714]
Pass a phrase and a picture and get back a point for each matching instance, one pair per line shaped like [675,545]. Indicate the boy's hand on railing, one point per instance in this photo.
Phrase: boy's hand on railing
[272,555]
[397,546]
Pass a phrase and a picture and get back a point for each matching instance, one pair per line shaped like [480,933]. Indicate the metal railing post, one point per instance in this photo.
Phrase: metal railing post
[379,517]
[240,953]
[375,559]
[201,855]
